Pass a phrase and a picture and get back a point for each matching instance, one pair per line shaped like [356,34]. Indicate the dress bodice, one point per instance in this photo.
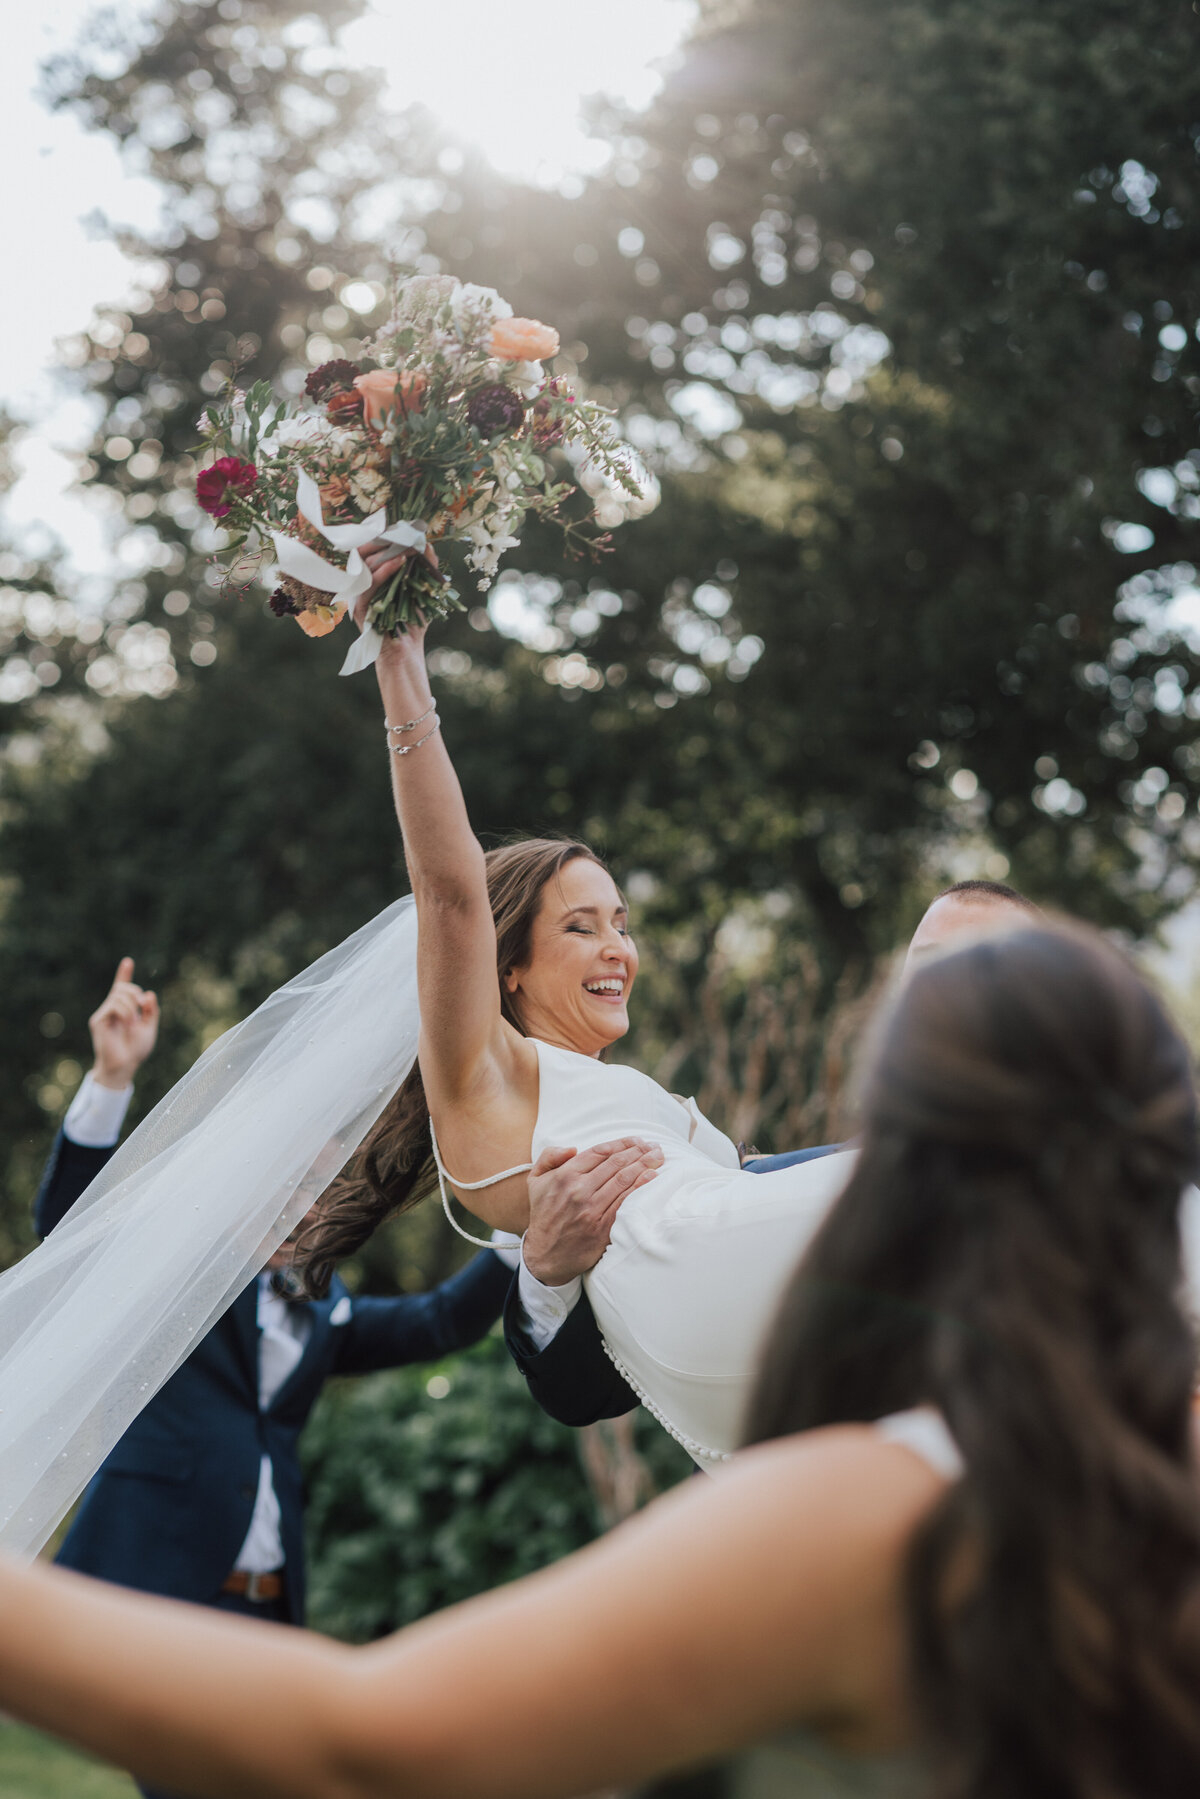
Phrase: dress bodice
[582,1102]
[699,1256]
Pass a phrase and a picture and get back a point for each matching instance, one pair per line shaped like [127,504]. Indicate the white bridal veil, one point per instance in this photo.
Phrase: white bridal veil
[188,1210]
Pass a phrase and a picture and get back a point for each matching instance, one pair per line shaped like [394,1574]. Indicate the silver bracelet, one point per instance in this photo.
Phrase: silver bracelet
[406,749]
[399,730]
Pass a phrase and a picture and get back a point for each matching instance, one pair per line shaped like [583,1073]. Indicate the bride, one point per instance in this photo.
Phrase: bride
[525,971]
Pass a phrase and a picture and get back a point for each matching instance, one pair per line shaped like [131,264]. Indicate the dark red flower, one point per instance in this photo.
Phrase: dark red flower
[495,409]
[282,604]
[228,480]
[344,404]
[332,377]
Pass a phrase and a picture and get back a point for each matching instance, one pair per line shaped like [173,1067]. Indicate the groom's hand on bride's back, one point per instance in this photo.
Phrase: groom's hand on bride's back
[574,1199]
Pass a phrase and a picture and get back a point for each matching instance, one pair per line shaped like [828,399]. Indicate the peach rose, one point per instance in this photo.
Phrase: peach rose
[523,340]
[389,390]
[319,621]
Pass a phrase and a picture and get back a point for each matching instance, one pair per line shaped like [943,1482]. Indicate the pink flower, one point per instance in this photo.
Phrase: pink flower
[389,390]
[523,340]
[218,488]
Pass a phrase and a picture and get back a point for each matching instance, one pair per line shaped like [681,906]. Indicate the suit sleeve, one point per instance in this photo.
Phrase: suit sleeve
[423,1327]
[790,1159]
[69,1170]
[571,1378]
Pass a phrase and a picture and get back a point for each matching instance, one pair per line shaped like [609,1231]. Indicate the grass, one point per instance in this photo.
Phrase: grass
[36,1767]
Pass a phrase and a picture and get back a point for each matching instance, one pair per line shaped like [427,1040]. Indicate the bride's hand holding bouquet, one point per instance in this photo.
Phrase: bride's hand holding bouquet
[444,437]
[410,711]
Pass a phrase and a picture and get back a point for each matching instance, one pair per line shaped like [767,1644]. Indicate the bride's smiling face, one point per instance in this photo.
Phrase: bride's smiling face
[574,990]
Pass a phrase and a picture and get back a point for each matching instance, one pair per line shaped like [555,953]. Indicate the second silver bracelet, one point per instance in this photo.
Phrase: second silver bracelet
[399,730]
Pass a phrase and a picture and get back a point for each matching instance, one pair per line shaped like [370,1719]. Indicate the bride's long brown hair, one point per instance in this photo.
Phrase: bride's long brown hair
[394,1169]
[1008,1249]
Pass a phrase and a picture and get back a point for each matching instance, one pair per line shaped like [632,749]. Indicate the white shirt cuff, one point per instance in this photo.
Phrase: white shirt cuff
[544,1310]
[508,1247]
[96,1114]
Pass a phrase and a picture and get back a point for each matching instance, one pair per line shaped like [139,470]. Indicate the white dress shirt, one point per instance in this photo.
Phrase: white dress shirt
[543,1310]
[283,1331]
[96,1114]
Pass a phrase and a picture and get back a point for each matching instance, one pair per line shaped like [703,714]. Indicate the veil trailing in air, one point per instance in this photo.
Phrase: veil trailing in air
[187,1212]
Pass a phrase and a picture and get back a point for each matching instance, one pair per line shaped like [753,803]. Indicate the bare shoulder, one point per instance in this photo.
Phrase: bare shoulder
[851,1455]
[766,1596]
[850,1484]
[800,1548]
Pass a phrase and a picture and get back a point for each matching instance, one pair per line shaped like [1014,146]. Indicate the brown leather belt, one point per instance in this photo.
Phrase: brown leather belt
[259,1589]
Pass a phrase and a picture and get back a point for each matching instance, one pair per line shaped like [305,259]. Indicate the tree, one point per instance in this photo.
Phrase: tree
[899,300]
[904,297]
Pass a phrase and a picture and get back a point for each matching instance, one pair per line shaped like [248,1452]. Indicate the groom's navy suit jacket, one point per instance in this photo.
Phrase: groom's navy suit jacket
[170,1507]
[572,1377]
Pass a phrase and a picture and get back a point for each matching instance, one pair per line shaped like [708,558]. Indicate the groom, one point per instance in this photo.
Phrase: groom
[548,1323]
[203,1497]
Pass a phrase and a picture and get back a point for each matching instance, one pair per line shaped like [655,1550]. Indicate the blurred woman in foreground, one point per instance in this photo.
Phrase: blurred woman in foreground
[967,1563]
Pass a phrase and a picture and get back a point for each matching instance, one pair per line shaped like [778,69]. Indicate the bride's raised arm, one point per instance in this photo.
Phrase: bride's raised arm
[528,945]
[465,1043]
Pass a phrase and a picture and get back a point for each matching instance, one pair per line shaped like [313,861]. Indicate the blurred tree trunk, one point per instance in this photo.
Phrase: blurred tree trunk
[617,1473]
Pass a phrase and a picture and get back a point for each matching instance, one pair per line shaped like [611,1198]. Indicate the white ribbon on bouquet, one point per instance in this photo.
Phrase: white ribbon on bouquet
[342,584]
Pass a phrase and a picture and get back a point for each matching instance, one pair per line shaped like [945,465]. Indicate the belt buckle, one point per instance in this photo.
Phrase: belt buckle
[254,1588]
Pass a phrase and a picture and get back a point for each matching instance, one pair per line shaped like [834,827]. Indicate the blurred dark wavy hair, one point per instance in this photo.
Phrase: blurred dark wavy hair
[1008,1250]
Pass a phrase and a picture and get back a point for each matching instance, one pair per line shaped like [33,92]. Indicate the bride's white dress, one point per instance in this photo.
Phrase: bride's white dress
[699,1256]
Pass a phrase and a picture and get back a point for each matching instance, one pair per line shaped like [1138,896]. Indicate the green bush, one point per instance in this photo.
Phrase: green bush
[429,1485]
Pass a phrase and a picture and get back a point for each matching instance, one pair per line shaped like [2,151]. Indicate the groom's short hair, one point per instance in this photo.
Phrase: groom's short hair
[985,890]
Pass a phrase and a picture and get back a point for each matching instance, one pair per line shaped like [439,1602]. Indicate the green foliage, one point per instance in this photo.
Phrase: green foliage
[907,294]
[417,1501]
[33,1766]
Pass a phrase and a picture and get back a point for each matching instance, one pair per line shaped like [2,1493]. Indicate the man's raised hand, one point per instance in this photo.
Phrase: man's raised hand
[124,1029]
[573,1201]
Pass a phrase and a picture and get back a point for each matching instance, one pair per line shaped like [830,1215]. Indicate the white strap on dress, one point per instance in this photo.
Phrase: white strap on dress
[926,1433]
[492,1180]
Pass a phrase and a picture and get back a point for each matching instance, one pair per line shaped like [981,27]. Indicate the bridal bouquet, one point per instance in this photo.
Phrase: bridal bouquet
[444,434]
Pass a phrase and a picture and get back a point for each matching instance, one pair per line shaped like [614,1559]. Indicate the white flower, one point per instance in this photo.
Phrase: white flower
[370,488]
[525,377]
[300,432]
[482,302]
[490,540]
[421,295]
